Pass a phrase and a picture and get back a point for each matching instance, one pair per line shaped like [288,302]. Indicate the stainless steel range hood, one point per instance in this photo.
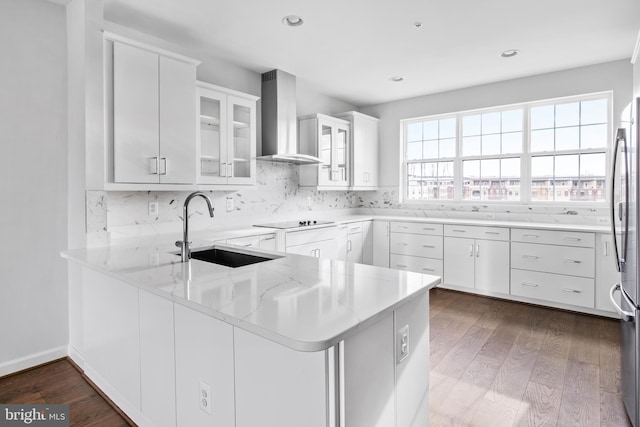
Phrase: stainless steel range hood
[280,121]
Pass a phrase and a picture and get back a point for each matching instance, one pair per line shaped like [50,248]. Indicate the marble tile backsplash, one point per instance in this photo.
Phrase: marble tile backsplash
[277,197]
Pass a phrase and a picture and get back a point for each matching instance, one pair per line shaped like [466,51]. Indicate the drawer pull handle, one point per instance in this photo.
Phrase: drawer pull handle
[246,245]
[531,285]
[428,246]
[459,231]
[429,229]
[573,291]
[404,244]
[572,261]
[529,257]
[402,226]
[401,265]
[572,239]
[533,236]
[355,229]
[470,250]
[428,269]
[491,232]
[268,238]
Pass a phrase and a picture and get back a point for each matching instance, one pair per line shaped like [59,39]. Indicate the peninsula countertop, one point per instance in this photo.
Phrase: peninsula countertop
[304,303]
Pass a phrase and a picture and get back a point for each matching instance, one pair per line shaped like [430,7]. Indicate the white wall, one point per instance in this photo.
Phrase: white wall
[616,76]
[33,183]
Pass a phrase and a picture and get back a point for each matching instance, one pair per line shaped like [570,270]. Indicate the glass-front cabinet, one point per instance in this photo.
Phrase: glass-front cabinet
[327,138]
[226,143]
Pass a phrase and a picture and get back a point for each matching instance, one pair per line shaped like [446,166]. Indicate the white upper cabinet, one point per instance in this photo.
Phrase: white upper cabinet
[151,93]
[364,150]
[226,136]
[328,138]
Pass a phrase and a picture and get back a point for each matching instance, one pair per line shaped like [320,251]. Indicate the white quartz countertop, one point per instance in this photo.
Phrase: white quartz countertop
[304,303]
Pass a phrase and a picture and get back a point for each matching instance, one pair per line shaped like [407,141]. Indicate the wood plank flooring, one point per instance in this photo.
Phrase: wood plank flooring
[500,363]
[60,382]
[493,363]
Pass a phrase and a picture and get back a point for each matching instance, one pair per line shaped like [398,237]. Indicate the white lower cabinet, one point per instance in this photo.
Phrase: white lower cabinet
[480,264]
[157,360]
[112,339]
[367,242]
[354,242]
[552,287]
[416,247]
[317,242]
[380,252]
[360,382]
[204,355]
[607,273]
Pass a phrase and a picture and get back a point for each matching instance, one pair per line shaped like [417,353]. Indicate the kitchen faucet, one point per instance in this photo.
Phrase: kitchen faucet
[185,250]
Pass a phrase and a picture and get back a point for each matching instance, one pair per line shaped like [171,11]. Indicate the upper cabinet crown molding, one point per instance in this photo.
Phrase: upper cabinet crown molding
[108,35]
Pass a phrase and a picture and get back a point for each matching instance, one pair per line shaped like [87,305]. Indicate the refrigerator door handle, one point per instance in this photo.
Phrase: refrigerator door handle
[626,316]
[620,136]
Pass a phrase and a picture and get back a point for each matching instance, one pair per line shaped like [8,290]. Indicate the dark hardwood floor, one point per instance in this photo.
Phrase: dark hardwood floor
[60,382]
[493,363]
[500,363]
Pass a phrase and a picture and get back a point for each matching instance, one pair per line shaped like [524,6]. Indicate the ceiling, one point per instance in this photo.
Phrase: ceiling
[350,49]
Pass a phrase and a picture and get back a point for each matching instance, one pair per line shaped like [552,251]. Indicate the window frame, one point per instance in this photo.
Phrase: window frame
[525,156]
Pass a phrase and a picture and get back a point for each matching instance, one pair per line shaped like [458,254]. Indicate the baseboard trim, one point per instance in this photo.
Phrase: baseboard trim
[32,360]
[76,357]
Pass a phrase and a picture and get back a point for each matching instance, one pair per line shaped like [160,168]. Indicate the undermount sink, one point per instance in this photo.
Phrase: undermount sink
[230,258]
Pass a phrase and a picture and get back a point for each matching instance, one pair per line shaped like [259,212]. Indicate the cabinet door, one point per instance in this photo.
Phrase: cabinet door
[211,137]
[354,247]
[367,242]
[241,163]
[365,151]
[268,241]
[135,115]
[245,242]
[157,361]
[177,134]
[492,266]
[326,135]
[459,260]
[606,272]
[342,243]
[340,156]
[381,243]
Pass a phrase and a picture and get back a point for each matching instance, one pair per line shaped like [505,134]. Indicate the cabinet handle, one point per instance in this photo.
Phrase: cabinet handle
[572,239]
[470,250]
[154,164]
[402,226]
[533,236]
[573,291]
[605,248]
[491,232]
[477,251]
[429,229]
[246,245]
[572,261]
[428,269]
[318,252]
[163,162]
[223,170]
[459,231]
[349,248]
[230,169]
[529,257]
[264,239]
[531,285]
[355,229]
[428,246]
[401,265]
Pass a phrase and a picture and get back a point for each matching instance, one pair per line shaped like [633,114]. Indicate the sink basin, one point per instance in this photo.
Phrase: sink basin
[229,258]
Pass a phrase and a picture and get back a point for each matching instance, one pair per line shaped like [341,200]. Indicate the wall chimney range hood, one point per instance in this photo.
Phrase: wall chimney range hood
[280,121]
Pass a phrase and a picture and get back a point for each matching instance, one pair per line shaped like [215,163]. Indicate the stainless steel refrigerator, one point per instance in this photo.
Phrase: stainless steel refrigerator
[624,222]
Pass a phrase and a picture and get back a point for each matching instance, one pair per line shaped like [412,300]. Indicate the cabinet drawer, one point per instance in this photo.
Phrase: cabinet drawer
[553,259]
[301,237]
[416,245]
[416,228]
[354,227]
[474,232]
[417,264]
[553,237]
[553,287]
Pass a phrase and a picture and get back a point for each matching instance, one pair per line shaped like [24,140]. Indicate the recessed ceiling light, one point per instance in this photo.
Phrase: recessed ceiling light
[396,78]
[292,20]
[417,25]
[509,53]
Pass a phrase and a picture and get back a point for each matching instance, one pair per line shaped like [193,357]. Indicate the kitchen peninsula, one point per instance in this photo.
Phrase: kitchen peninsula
[292,341]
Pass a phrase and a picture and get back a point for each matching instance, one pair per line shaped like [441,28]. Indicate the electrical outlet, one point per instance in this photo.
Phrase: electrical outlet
[229,204]
[153,208]
[403,343]
[205,397]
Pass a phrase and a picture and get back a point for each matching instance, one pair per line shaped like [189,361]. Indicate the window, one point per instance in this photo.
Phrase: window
[548,151]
